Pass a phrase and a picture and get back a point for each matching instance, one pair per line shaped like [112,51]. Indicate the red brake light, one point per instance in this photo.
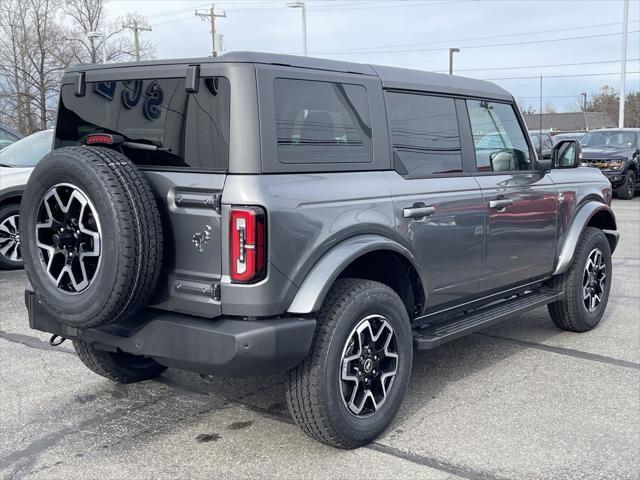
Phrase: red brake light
[104,139]
[247,244]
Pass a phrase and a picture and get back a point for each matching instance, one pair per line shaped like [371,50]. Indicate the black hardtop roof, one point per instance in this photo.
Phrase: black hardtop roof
[391,77]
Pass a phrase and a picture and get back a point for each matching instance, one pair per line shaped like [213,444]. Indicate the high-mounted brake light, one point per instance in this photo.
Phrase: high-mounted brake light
[247,244]
[104,139]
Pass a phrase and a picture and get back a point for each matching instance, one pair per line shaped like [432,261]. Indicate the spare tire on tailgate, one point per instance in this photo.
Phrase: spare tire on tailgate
[91,235]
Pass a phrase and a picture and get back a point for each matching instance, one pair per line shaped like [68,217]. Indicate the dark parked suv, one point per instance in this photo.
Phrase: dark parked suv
[617,153]
[259,213]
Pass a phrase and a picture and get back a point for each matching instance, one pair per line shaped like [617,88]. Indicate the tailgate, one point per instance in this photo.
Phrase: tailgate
[190,209]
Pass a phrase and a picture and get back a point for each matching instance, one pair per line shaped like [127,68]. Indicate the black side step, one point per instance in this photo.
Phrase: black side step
[434,334]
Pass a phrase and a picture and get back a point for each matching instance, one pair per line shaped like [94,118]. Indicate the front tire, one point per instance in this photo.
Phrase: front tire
[627,189]
[351,385]
[10,248]
[120,367]
[586,284]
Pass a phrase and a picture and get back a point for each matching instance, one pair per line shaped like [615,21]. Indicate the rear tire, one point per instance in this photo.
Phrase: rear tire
[627,189]
[579,310]
[120,367]
[325,403]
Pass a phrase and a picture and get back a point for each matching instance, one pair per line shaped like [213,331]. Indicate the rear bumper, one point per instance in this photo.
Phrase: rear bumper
[228,347]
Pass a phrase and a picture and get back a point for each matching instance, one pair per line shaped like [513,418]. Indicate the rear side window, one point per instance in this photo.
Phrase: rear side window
[499,141]
[322,122]
[190,130]
[424,134]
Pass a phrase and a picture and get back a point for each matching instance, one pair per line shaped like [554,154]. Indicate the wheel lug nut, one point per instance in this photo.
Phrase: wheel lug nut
[375,357]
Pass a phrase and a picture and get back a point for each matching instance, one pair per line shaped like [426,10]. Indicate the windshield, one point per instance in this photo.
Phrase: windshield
[6,138]
[28,151]
[609,139]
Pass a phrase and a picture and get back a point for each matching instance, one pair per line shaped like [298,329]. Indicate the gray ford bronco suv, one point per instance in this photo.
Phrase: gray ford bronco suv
[259,213]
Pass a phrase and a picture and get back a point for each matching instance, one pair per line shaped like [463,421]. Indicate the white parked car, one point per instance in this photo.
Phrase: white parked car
[16,163]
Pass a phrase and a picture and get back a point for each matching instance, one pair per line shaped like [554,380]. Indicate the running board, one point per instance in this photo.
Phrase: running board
[433,334]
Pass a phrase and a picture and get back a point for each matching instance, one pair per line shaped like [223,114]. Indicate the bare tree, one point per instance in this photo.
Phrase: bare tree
[608,101]
[31,62]
[39,39]
[89,16]
[527,109]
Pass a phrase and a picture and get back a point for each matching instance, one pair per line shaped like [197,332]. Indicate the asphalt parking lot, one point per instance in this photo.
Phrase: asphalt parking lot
[520,400]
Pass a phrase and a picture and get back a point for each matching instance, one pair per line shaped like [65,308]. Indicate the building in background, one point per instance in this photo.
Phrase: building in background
[568,121]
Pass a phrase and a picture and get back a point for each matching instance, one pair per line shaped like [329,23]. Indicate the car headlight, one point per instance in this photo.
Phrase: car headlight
[615,164]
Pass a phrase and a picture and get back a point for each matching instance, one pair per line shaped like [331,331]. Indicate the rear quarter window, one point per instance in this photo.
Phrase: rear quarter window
[191,130]
[424,134]
[322,122]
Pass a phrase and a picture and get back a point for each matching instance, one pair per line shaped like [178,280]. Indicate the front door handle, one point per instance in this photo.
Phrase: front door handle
[500,203]
[418,212]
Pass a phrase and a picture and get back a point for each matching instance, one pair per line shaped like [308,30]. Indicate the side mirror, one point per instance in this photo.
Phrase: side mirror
[566,154]
[502,161]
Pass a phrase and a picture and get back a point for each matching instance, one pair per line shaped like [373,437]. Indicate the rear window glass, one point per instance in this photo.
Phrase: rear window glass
[424,134]
[190,130]
[322,122]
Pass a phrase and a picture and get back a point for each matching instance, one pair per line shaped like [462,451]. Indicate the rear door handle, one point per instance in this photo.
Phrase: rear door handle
[418,212]
[501,203]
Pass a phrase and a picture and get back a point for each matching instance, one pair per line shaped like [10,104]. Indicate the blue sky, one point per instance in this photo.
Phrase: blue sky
[418,33]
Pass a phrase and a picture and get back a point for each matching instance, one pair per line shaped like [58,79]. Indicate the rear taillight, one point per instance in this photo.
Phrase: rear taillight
[247,244]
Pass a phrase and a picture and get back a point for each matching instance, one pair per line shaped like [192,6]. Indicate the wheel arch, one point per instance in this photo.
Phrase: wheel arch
[10,197]
[591,214]
[371,257]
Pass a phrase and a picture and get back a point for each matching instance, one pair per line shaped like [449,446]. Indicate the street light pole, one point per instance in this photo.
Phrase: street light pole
[623,61]
[104,49]
[451,52]
[298,4]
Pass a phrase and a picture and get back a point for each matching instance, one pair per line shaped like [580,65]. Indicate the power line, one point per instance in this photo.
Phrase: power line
[354,50]
[541,66]
[560,76]
[467,47]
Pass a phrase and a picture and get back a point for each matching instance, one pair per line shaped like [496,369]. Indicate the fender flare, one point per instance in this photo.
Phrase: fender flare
[324,273]
[578,225]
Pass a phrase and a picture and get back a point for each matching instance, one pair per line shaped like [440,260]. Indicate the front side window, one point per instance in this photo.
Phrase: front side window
[424,134]
[500,143]
[322,122]
[188,129]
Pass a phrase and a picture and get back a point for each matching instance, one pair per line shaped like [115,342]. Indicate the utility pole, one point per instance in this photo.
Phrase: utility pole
[451,52]
[584,101]
[211,15]
[623,60]
[136,28]
[540,116]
